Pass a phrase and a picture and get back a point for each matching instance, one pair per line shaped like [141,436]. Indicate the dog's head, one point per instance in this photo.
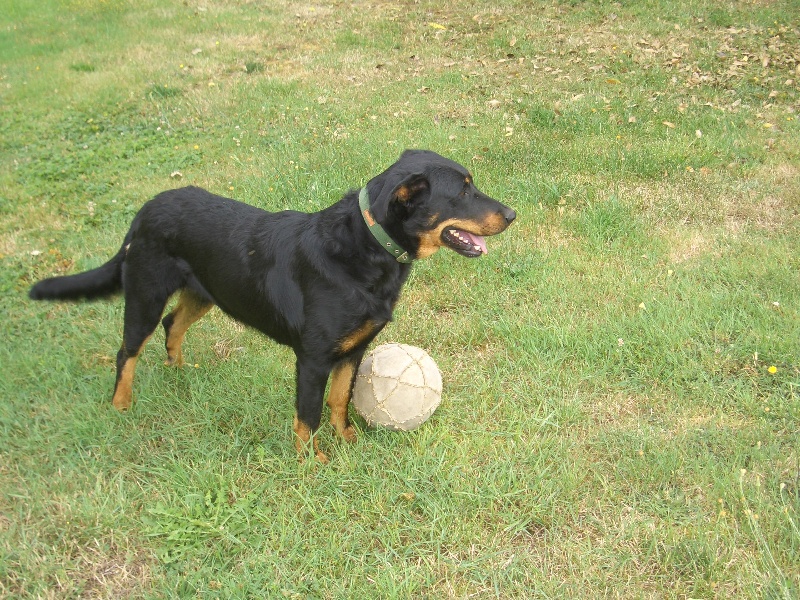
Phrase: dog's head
[425,201]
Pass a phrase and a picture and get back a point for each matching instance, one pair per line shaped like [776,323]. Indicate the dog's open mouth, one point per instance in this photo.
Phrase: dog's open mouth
[465,243]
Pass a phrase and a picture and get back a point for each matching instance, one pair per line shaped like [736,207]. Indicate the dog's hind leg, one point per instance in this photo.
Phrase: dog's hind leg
[191,307]
[148,284]
[140,322]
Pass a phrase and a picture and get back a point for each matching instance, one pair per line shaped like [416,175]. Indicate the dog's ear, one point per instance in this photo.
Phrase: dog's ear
[403,193]
[411,186]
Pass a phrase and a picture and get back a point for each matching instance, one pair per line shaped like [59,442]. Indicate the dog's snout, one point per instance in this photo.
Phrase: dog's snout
[509,215]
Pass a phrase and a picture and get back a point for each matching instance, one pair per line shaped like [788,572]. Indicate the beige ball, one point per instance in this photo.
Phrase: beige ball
[397,387]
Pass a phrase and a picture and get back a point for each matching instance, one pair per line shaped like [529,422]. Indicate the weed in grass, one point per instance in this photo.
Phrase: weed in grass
[162,91]
[83,67]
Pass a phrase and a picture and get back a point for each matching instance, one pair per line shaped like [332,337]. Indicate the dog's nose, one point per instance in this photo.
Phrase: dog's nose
[509,215]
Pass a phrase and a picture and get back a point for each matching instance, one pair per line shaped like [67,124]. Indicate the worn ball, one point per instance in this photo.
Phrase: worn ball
[397,387]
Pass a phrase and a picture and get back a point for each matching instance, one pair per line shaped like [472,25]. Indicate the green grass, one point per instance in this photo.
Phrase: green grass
[611,425]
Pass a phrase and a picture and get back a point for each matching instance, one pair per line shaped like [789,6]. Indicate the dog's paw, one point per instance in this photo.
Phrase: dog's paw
[121,403]
[349,434]
[174,361]
[319,456]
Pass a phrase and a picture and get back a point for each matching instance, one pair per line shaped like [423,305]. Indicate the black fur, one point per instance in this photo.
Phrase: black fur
[319,283]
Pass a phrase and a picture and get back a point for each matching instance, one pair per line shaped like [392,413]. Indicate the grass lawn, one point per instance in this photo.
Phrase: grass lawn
[621,408]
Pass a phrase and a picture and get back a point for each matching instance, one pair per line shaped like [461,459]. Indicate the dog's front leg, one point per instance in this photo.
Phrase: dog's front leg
[311,380]
[344,375]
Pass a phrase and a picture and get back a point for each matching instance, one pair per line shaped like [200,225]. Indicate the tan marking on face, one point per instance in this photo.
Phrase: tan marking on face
[356,338]
[430,241]
[339,399]
[189,309]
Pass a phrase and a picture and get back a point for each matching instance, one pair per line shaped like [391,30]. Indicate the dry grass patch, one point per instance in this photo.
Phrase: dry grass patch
[687,246]
[98,572]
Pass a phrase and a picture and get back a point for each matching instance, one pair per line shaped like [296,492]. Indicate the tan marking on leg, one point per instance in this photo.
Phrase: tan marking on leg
[339,399]
[123,393]
[303,435]
[189,309]
[357,337]
[123,390]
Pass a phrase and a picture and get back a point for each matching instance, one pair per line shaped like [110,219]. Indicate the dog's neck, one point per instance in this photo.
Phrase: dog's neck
[379,233]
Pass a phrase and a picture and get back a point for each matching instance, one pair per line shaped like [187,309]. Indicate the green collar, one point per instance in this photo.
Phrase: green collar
[378,232]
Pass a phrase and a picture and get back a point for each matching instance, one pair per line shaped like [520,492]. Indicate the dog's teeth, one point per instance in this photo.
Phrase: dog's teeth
[477,247]
[452,232]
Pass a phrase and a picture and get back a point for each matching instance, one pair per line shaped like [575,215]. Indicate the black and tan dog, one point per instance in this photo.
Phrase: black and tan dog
[320,283]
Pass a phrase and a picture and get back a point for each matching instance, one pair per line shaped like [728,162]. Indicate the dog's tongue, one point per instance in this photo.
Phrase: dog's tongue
[475,240]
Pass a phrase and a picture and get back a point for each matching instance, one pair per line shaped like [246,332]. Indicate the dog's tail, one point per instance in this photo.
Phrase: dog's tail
[89,285]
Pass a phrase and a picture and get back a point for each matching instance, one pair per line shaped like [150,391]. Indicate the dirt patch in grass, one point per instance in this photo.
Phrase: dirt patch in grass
[617,409]
[105,568]
[770,213]
[111,573]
